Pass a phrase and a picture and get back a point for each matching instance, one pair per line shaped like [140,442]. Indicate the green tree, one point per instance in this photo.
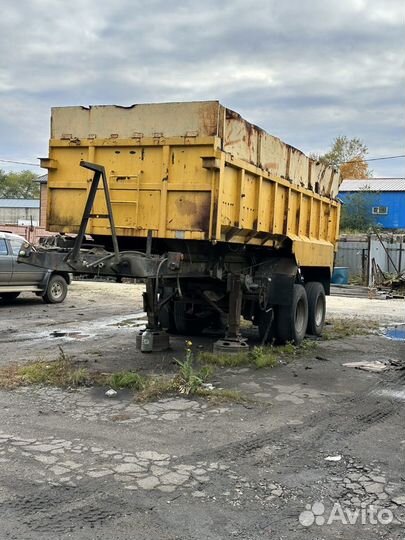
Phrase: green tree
[18,185]
[349,155]
[356,211]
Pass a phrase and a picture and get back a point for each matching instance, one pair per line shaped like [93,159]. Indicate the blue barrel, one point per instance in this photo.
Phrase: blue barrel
[340,275]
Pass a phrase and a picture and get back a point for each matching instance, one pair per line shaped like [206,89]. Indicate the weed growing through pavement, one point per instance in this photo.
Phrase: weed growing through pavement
[350,326]
[60,372]
[189,379]
[258,357]
[155,388]
[126,379]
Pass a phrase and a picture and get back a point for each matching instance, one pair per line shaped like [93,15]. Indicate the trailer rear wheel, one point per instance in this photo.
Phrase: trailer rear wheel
[316,307]
[292,320]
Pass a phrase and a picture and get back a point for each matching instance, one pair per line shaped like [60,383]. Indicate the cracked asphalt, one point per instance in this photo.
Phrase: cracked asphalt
[316,436]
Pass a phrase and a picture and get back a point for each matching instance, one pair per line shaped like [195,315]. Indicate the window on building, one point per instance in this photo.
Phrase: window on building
[379,210]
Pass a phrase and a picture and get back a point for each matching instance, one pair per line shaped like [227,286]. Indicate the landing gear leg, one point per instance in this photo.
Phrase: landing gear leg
[152,339]
[233,341]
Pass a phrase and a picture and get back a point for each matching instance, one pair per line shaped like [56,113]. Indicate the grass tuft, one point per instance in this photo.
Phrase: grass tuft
[263,357]
[189,379]
[223,359]
[155,388]
[56,373]
[10,377]
[259,357]
[350,326]
[125,379]
[59,372]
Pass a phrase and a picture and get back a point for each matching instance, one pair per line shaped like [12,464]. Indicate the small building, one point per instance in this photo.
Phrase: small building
[23,212]
[384,197]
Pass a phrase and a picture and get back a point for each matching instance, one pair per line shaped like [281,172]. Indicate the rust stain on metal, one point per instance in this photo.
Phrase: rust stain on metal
[232,115]
[233,141]
[270,165]
[186,207]
[56,219]
[197,214]
[203,217]
[209,119]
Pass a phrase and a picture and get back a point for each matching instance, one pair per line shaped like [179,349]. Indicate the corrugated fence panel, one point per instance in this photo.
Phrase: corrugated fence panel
[396,259]
[358,256]
[353,255]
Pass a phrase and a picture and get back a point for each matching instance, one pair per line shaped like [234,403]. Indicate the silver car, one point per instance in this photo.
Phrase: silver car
[16,278]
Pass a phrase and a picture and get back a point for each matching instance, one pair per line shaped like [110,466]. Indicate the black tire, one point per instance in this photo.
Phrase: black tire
[56,290]
[292,320]
[316,307]
[9,296]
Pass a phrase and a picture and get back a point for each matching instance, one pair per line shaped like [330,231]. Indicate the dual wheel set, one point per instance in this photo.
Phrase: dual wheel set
[290,323]
[280,324]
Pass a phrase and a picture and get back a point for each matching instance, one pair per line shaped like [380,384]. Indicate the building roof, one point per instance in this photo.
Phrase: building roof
[373,184]
[19,203]
[43,179]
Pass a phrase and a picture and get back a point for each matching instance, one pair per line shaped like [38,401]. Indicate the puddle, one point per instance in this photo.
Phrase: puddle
[85,330]
[90,328]
[129,323]
[73,335]
[395,332]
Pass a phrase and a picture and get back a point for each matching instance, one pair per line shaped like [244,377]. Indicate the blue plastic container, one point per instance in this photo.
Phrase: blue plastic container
[340,275]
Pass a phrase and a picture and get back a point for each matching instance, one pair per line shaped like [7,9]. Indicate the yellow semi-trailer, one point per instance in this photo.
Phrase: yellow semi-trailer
[220,217]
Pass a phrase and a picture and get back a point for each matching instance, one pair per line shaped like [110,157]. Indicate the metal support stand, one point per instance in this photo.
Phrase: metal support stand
[152,339]
[99,172]
[150,304]
[233,341]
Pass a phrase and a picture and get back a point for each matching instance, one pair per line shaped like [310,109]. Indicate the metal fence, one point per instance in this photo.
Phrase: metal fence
[362,254]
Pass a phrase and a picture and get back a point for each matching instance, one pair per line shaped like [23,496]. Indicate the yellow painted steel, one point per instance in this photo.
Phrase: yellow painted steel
[186,187]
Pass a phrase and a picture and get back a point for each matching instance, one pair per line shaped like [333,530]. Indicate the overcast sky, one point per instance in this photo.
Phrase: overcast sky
[304,70]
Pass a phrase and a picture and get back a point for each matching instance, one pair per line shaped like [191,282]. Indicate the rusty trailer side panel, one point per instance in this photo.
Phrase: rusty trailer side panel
[195,171]
[238,137]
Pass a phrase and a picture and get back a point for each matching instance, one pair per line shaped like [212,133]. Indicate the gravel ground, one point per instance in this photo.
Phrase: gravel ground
[318,452]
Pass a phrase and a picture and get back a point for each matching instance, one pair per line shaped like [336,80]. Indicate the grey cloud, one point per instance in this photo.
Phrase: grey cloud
[305,71]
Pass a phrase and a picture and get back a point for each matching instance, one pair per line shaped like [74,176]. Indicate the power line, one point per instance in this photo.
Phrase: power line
[389,157]
[343,162]
[20,162]
[374,159]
